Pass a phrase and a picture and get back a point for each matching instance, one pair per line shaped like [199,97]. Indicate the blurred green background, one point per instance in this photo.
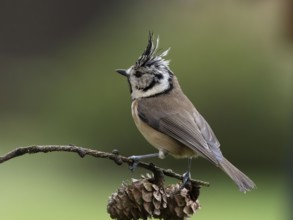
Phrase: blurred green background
[58,86]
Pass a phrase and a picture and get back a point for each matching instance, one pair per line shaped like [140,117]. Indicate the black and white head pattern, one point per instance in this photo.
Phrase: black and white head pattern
[150,76]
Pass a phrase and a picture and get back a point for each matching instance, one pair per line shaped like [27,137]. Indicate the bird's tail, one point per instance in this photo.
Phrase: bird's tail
[243,182]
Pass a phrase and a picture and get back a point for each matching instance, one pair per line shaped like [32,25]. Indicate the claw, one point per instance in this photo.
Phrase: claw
[186,179]
[134,164]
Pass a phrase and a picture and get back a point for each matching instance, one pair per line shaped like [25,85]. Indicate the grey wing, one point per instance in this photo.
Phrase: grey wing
[208,135]
[183,127]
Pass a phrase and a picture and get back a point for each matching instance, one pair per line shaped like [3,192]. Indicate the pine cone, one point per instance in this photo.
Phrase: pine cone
[143,199]
[181,203]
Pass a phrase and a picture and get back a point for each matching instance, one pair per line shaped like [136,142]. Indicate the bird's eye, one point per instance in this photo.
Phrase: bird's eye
[138,74]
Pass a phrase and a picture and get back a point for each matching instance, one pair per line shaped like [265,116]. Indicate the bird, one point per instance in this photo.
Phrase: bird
[167,118]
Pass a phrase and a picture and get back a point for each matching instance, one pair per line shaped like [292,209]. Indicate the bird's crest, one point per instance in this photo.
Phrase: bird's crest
[149,57]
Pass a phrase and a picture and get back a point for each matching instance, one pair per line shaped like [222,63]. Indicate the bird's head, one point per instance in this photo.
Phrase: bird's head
[150,75]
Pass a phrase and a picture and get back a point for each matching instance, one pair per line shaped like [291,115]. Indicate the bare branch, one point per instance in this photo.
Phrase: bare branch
[82,152]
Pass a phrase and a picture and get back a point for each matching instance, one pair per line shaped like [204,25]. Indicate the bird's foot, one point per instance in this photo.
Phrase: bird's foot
[135,161]
[186,179]
[137,158]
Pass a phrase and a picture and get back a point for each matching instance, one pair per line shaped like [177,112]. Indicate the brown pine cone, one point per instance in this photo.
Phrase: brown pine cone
[142,199]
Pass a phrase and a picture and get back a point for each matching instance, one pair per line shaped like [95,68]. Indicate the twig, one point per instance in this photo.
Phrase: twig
[82,152]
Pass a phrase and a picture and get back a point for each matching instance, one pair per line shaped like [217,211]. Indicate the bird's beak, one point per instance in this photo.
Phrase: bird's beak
[122,72]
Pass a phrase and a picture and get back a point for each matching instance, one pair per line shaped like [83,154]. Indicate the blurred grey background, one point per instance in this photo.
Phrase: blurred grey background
[58,86]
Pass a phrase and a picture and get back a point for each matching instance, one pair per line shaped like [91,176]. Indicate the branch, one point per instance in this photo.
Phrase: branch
[82,152]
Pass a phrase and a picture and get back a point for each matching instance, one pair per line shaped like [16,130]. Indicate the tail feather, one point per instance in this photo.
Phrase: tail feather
[243,182]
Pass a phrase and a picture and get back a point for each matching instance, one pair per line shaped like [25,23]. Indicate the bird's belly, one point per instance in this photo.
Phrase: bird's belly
[159,140]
